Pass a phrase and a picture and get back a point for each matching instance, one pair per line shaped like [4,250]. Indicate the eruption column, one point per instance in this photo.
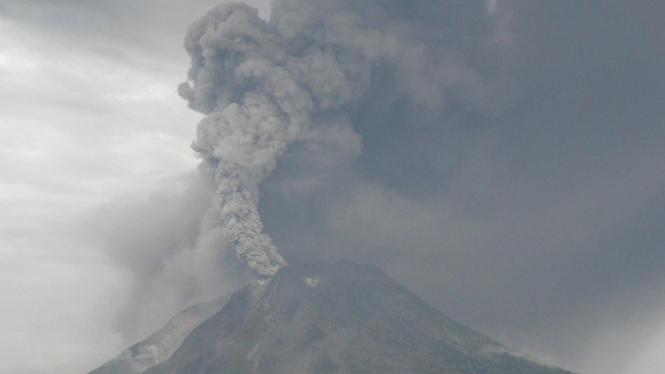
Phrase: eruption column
[254,111]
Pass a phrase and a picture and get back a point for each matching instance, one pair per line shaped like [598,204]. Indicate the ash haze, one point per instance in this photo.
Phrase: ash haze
[504,159]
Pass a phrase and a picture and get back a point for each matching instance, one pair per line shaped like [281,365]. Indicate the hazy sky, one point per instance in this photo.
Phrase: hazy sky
[508,167]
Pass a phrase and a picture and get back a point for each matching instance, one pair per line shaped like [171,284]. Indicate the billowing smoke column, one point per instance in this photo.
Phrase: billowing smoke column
[266,85]
[256,105]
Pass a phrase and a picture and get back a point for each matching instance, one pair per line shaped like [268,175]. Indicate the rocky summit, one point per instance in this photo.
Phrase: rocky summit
[337,318]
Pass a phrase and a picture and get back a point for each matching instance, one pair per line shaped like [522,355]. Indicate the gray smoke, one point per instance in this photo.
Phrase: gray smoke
[265,86]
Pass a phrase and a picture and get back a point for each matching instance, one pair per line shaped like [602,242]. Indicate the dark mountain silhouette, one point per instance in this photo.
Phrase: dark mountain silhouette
[337,318]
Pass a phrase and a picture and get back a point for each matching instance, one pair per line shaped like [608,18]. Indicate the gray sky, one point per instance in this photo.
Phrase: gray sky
[512,175]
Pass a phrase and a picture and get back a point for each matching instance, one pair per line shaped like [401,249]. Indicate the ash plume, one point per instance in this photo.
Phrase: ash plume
[267,85]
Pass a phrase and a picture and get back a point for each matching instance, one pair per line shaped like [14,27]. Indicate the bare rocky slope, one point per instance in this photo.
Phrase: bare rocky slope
[160,345]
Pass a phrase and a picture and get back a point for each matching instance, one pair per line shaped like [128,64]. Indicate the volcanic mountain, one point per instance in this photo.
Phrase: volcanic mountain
[337,318]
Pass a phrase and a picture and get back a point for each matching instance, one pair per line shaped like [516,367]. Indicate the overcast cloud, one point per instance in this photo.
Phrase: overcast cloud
[510,171]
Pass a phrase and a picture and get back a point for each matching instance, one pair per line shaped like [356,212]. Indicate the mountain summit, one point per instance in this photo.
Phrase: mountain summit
[337,318]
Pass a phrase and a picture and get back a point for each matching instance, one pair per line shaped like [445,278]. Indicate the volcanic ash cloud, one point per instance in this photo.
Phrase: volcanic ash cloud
[264,86]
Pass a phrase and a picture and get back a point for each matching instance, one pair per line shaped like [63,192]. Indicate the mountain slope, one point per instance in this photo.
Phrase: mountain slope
[160,345]
[337,318]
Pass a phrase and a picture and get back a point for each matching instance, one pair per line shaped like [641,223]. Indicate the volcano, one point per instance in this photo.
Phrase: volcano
[337,318]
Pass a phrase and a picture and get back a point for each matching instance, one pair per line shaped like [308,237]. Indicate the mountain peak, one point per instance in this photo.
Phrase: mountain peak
[342,318]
